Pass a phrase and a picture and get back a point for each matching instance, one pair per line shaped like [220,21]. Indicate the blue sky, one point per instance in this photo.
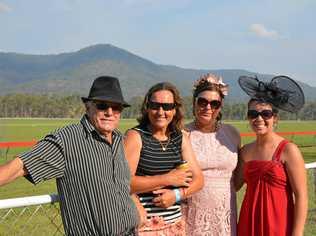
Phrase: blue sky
[265,36]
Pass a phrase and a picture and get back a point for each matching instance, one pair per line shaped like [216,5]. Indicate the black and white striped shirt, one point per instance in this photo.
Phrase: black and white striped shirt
[154,161]
[92,176]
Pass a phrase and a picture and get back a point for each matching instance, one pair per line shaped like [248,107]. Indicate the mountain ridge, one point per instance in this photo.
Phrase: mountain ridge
[73,72]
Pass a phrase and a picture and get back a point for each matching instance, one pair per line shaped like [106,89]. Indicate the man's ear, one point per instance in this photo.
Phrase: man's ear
[87,106]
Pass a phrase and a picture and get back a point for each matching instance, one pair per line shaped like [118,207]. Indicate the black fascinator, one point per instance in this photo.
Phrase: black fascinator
[282,92]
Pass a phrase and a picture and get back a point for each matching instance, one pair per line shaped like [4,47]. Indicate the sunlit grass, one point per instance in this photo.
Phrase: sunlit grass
[35,129]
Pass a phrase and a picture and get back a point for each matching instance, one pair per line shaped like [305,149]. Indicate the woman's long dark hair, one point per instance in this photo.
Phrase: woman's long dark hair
[177,121]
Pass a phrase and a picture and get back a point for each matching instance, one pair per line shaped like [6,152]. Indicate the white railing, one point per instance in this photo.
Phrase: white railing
[36,215]
[21,221]
[28,201]
[310,165]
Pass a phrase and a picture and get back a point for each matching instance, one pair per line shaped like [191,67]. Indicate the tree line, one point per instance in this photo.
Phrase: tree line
[52,106]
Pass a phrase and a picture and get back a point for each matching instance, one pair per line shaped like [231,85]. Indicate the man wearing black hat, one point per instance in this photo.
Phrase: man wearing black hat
[87,160]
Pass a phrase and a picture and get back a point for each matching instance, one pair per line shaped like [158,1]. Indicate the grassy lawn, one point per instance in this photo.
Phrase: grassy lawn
[35,129]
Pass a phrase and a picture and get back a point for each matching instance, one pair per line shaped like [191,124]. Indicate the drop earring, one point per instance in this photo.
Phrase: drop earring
[275,126]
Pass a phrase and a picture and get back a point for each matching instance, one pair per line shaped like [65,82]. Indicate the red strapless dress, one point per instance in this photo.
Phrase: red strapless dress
[268,207]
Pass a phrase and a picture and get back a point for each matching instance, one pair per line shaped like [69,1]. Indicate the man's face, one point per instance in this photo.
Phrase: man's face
[104,116]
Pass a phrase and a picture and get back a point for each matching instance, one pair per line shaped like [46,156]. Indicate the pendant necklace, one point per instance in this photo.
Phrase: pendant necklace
[164,146]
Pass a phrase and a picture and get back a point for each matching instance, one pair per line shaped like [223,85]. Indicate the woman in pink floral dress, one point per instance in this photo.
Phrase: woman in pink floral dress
[212,210]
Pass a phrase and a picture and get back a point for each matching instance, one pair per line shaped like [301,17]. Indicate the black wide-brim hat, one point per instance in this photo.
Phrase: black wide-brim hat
[282,92]
[108,89]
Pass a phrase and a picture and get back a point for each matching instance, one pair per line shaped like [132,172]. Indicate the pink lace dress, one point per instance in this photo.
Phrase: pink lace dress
[212,210]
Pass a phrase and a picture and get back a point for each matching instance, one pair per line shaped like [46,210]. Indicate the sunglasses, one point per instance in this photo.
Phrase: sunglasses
[202,102]
[157,105]
[265,114]
[105,106]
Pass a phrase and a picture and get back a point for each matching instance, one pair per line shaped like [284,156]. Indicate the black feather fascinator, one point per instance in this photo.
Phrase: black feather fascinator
[282,92]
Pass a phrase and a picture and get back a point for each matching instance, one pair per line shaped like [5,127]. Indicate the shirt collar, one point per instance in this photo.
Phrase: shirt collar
[89,128]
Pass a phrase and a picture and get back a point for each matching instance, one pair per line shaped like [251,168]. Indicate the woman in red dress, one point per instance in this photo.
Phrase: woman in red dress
[273,168]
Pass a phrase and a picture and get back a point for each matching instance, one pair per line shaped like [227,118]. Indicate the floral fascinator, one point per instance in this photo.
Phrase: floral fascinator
[208,81]
[282,92]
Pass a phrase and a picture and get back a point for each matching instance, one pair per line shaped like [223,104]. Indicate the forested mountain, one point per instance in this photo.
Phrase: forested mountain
[72,73]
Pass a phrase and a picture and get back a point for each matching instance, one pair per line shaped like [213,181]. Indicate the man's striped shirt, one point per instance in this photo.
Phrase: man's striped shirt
[92,176]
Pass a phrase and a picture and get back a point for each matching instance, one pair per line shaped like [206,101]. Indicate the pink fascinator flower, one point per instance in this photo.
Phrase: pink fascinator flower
[212,79]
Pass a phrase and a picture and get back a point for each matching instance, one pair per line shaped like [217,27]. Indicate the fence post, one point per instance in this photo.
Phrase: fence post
[6,153]
[314,173]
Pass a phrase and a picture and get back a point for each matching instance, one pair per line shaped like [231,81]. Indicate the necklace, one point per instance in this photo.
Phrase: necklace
[164,146]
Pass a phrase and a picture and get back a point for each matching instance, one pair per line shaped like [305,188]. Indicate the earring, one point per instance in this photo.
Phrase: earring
[275,126]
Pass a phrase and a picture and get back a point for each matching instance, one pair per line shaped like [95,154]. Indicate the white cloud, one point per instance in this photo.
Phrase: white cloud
[4,7]
[261,31]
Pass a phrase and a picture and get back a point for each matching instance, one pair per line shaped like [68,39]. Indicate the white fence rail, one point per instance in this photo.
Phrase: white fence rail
[310,165]
[35,216]
[40,215]
[28,201]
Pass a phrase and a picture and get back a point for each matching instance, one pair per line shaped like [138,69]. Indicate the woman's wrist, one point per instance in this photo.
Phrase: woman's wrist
[183,193]
[177,193]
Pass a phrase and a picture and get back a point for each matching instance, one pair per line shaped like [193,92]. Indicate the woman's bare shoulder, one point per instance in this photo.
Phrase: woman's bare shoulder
[185,132]
[246,150]
[232,129]
[132,134]
[291,152]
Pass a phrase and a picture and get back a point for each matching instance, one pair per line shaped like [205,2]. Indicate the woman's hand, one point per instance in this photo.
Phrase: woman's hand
[179,177]
[142,215]
[141,211]
[165,198]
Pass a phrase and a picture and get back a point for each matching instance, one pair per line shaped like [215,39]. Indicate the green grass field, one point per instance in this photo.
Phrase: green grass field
[34,129]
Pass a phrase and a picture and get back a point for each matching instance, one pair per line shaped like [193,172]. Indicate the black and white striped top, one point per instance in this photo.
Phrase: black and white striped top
[154,161]
[92,176]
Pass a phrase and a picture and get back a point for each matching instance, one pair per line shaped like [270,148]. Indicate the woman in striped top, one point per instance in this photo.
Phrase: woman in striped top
[154,148]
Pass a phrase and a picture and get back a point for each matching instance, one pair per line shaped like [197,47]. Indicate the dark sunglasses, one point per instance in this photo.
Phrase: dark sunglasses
[215,104]
[157,105]
[265,114]
[105,106]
